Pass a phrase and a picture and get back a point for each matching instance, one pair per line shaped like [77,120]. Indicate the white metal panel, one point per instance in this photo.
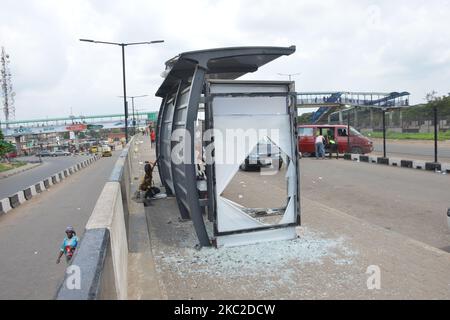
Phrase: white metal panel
[232,218]
[250,105]
[237,87]
[257,237]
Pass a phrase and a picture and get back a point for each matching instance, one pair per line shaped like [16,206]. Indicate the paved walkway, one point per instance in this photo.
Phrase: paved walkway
[328,261]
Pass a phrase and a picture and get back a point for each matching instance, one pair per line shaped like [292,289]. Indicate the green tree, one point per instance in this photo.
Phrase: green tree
[305,118]
[5,147]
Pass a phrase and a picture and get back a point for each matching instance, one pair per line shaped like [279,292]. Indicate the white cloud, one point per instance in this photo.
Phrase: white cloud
[341,45]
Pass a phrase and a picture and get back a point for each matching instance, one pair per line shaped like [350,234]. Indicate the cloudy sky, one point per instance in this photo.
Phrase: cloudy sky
[360,45]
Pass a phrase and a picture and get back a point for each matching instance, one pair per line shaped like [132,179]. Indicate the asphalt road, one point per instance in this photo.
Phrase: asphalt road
[49,167]
[30,236]
[413,150]
[411,202]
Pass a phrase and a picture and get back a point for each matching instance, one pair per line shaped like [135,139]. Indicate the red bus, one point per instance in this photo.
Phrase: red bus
[359,144]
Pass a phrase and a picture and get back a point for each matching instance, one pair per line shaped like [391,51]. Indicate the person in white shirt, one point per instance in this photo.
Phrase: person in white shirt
[320,147]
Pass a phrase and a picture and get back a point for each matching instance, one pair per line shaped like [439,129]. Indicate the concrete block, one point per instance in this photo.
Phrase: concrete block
[384,161]
[394,162]
[27,193]
[355,157]
[406,164]
[46,183]
[364,158]
[38,188]
[433,166]
[17,199]
[5,206]
[446,167]
[373,159]
[419,165]
[33,190]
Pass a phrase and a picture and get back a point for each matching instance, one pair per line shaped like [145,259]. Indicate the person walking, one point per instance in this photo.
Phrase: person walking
[152,137]
[320,146]
[68,245]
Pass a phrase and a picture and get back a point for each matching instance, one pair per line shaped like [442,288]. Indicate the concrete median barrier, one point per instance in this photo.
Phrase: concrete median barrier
[363,158]
[373,159]
[406,164]
[433,166]
[383,161]
[103,253]
[38,188]
[420,165]
[446,167]
[5,206]
[394,162]
[401,163]
[17,199]
[26,194]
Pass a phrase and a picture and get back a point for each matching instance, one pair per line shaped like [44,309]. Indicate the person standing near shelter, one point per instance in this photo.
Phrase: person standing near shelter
[320,147]
[152,137]
[332,145]
[69,245]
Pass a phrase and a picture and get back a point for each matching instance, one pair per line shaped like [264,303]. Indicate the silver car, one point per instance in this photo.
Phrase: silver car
[58,153]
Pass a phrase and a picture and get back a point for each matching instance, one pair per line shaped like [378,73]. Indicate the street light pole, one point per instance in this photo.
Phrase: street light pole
[123,45]
[132,106]
[125,103]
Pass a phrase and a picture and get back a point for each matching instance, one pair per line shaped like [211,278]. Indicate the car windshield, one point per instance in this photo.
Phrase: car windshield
[355,132]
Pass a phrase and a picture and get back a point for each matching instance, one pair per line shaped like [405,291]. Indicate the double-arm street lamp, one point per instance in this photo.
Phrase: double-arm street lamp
[123,45]
[132,108]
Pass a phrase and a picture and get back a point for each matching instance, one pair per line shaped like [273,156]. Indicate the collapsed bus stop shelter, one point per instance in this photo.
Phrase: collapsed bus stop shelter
[204,82]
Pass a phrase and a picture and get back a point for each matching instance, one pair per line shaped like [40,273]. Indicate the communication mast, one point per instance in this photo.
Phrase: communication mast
[6,87]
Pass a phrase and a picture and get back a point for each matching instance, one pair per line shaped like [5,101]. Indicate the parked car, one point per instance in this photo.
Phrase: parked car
[11,155]
[266,153]
[58,153]
[43,153]
[359,144]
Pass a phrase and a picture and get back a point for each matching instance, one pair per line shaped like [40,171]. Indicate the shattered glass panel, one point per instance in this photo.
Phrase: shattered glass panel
[260,187]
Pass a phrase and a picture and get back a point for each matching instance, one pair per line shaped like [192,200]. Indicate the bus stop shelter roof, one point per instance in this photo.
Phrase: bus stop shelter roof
[221,63]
